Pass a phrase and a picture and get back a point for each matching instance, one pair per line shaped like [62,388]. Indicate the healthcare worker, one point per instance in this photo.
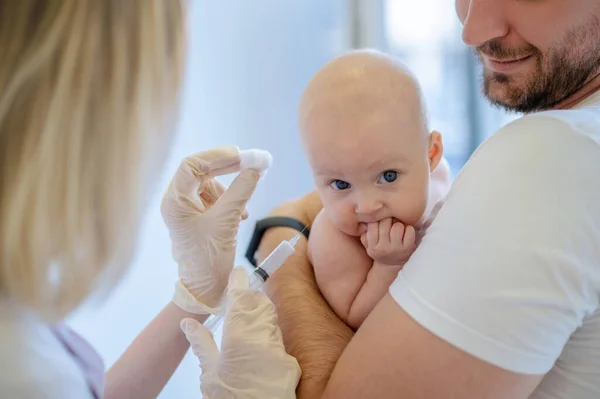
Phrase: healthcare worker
[88,101]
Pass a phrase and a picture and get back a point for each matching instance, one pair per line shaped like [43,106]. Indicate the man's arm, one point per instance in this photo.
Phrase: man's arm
[393,356]
[312,332]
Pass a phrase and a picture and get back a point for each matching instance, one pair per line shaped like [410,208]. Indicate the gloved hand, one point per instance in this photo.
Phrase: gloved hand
[252,363]
[203,220]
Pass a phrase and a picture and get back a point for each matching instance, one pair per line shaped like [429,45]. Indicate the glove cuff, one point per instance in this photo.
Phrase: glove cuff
[186,301]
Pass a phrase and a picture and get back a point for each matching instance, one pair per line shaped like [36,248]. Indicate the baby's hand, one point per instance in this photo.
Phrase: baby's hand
[390,243]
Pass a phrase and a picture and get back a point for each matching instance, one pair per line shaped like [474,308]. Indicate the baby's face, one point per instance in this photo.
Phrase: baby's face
[369,167]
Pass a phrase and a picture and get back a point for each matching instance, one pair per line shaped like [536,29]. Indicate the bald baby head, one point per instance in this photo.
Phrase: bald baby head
[359,84]
[364,131]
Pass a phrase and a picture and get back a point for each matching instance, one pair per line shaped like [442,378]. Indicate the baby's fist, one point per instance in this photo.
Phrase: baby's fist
[389,242]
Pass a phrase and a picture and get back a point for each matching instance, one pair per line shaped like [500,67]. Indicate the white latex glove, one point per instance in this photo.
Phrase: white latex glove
[252,363]
[203,220]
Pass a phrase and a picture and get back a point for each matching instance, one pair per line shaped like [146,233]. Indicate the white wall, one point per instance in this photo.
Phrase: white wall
[249,61]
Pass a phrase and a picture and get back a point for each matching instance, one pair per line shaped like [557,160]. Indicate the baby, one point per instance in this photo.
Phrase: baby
[364,131]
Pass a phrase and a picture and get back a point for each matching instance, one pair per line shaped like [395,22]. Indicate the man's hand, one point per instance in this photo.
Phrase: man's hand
[389,242]
[312,332]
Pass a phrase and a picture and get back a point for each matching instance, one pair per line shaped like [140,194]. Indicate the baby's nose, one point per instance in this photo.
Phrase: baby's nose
[368,210]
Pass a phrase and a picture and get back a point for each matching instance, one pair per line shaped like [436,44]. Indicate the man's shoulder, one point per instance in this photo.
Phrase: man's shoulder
[544,137]
[567,127]
[536,157]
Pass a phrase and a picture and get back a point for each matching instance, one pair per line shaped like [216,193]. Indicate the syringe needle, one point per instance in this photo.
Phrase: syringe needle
[296,238]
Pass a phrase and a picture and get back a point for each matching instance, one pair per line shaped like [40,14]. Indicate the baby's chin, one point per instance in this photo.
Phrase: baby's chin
[354,230]
[351,229]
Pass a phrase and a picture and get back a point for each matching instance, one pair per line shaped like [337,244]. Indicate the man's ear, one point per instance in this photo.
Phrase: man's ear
[436,150]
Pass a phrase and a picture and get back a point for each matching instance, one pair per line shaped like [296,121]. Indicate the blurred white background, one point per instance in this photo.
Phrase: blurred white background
[248,64]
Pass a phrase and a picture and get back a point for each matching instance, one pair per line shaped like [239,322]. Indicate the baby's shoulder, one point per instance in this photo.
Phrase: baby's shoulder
[323,232]
[327,245]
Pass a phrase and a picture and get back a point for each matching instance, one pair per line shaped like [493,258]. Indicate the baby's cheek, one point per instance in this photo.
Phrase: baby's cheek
[352,228]
[344,219]
[410,209]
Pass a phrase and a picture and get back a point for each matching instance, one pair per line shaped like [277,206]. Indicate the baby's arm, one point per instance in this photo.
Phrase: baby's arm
[378,281]
[340,262]
[348,277]
[390,244]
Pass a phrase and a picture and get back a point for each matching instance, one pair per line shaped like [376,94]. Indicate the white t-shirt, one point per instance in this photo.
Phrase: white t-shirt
[33,363]
[509,271]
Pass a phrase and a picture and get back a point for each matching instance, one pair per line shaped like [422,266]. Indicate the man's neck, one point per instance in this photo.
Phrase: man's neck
[587,90]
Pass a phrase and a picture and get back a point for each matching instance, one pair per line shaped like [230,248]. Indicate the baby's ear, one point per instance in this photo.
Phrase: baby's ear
[436,150]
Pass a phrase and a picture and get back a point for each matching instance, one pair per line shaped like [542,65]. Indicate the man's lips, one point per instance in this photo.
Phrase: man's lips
[505,65]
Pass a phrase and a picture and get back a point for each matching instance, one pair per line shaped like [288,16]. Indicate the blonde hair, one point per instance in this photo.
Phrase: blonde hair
[88,100]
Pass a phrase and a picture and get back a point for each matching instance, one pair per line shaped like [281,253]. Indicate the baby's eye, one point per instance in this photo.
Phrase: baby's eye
[388,176]
[339,185]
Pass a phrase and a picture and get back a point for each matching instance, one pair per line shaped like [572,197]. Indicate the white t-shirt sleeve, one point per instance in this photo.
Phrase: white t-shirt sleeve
[510,268]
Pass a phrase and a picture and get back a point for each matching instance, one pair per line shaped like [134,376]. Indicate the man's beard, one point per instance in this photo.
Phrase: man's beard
[559,73]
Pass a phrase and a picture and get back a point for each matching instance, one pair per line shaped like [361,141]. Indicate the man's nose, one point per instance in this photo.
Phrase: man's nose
[484,20]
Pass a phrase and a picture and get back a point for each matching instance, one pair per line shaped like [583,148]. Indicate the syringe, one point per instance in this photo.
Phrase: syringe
[273,262]
[262,272]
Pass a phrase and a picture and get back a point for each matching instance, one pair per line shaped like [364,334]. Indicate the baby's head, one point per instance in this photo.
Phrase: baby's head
[364,130]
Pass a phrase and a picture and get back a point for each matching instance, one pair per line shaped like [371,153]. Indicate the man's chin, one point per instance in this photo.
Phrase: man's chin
[506,94]
[500,97]
[494,89]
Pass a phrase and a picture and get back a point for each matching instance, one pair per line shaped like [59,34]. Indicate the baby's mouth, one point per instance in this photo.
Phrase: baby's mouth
[362,228]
